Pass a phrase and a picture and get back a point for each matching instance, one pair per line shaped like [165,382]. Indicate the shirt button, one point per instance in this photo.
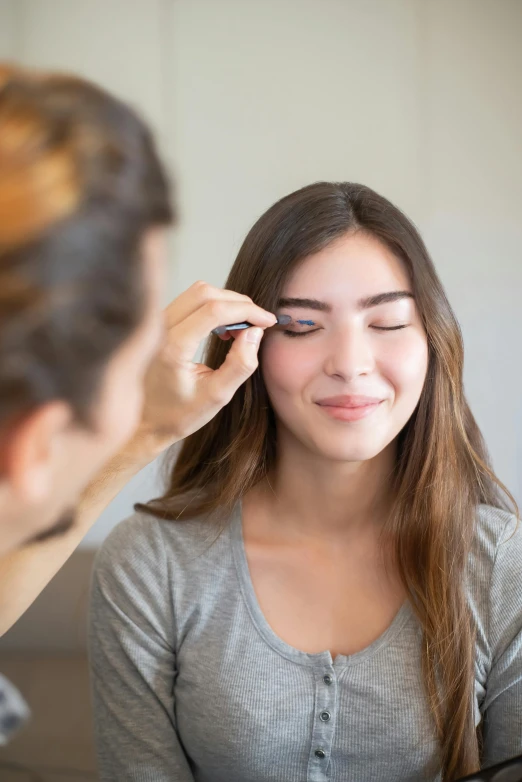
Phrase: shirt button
[325,716]
[327,679]
[320,753]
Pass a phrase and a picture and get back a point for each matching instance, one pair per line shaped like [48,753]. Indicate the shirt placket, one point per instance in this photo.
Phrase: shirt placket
[325,716]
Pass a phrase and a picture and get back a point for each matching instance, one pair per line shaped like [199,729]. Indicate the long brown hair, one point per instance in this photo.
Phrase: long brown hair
[442,471]
[80,183]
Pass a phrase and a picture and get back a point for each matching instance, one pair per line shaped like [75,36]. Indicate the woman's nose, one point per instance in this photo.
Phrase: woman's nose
[350,355]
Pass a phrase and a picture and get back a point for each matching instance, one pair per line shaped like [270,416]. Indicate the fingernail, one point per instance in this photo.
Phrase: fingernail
[254,335]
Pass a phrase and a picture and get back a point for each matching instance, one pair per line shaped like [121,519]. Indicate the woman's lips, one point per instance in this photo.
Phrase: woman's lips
[349,408]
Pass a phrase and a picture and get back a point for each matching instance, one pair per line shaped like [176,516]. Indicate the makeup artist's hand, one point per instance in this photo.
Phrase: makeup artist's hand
[181,396]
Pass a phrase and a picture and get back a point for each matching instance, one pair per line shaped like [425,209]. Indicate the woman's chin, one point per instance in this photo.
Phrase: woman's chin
[361,450]
[334,445]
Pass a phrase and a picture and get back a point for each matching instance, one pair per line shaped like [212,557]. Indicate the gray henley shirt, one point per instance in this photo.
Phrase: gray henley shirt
[191,684]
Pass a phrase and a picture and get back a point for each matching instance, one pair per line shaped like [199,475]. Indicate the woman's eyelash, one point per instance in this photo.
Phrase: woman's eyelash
[390,328]
[312,331]
[299,333]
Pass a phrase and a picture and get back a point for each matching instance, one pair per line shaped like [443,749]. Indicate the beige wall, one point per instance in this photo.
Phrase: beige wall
[9,39]
[253,98]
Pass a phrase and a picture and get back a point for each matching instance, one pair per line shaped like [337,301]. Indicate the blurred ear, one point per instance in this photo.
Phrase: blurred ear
[32,451]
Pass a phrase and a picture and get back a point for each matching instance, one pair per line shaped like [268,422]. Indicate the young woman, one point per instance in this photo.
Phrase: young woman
[328,590]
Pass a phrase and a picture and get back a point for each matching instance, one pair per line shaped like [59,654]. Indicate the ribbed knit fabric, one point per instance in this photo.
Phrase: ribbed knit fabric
[191,684]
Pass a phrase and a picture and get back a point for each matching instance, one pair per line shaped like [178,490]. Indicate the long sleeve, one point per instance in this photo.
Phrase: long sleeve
[133,661]
[503,702]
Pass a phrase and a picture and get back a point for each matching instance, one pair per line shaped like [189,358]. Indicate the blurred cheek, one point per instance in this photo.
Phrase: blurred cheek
[125,386]
[121,407]
[119,423]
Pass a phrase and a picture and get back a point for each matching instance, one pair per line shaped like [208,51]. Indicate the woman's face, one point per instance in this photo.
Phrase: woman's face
[345,383]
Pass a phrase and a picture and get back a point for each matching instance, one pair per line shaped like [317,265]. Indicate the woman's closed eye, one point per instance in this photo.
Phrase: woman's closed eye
[301,327]
[390,328]
[375,327]
[300,333]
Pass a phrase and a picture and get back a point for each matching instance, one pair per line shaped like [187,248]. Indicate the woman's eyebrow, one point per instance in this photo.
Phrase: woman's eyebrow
[362,304]
[306,304]
[383,298]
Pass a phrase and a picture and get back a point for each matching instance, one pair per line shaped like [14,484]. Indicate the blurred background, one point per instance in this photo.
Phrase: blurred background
[251,99]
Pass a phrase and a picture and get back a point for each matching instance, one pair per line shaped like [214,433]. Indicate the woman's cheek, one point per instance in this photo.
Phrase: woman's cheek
[286,366]
[405,362]
[274,368]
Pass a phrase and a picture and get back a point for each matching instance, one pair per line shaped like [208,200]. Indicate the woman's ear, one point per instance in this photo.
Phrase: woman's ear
[30,454]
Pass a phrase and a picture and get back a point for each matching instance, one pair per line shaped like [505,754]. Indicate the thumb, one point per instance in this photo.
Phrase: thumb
[241,362]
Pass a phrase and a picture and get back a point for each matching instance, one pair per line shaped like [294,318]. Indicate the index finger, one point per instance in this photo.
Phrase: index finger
[195,297]
[186,337]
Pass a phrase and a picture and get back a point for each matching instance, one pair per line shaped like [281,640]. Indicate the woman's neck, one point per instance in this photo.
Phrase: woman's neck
[308,496]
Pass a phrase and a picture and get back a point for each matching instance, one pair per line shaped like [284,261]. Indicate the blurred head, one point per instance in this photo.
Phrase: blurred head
[84,203]
[367,272]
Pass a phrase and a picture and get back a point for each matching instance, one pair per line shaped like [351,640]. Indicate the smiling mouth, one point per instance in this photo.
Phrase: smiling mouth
[349,408]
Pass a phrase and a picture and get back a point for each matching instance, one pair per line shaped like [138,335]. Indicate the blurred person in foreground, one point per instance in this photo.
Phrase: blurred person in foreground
[95,381]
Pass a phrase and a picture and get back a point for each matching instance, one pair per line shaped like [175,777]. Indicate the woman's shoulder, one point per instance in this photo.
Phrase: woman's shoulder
[495,572]
[157,573]
[497,538]
[149,543]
